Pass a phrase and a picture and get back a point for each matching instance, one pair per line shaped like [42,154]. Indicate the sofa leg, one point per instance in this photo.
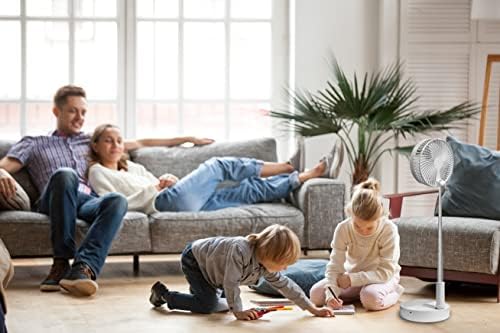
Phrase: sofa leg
[304,251]
[136,264]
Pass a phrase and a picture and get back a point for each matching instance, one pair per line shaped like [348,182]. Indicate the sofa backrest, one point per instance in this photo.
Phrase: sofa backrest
[181,160]
[22,177]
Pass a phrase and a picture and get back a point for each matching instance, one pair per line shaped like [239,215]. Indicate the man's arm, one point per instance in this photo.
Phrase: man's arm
[8,165]
[170,142]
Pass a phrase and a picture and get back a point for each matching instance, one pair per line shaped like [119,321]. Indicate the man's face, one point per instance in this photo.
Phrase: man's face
[71,117]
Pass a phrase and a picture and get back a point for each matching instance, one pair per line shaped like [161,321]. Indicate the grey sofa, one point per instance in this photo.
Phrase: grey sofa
[471,246]
[319,207]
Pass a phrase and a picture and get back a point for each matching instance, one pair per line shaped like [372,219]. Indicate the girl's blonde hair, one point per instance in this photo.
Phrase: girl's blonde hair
[93,158]
[277,244]
[366,202]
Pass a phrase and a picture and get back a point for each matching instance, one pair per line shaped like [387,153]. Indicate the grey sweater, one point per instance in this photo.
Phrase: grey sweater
[228,262]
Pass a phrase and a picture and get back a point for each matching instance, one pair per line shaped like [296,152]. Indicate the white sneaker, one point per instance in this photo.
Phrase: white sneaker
[333,161]
[298,158]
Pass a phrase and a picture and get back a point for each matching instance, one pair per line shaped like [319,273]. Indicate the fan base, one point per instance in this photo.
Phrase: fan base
[423,311]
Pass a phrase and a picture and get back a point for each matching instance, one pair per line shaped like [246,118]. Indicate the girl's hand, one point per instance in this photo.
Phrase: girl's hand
[246,315]
[344,281]
[334,304]
[322,312]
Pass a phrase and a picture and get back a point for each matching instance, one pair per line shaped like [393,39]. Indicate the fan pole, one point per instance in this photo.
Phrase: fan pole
[440,303]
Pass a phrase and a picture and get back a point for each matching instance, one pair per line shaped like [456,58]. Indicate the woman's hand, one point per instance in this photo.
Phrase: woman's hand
[334,304]
[246,315]
[166,180]
[344,281]
[201,141]
[322,312]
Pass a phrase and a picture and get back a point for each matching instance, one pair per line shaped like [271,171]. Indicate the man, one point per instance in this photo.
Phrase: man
[57,165]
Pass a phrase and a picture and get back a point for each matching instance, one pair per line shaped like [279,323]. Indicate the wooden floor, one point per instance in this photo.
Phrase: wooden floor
[121,305]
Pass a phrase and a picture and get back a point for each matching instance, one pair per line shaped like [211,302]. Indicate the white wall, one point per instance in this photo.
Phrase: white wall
[349,29]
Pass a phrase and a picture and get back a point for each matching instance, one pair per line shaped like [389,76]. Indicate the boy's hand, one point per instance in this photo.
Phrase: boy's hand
[334,304]
[247,315]
[322,312]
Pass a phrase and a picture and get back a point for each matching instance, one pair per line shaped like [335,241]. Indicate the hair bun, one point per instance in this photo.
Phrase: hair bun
[371,184]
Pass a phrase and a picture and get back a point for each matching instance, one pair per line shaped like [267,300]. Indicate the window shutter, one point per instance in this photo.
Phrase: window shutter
[435,45]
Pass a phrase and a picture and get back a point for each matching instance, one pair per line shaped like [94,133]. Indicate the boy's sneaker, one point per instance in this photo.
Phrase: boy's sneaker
[60,268]
[80,281]
[158,293]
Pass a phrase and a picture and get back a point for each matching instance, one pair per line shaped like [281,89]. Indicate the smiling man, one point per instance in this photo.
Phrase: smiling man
[57,164]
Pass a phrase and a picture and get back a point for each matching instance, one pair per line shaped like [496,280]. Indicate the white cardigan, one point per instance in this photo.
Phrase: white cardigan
[137,184]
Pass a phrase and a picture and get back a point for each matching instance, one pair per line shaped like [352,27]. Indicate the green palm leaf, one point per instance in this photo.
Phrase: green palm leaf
[381,106]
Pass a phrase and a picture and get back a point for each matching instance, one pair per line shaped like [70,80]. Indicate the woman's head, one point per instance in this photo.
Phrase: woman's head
[276,247]
[366,207]
[107,147]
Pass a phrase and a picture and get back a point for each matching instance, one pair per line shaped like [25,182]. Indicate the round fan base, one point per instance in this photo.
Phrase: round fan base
[423,311]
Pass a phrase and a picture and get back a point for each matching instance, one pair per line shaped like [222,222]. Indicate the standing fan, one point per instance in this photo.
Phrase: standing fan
[431,164]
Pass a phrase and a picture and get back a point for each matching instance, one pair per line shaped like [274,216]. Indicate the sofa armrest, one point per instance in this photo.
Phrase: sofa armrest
[396,201]
[322,202]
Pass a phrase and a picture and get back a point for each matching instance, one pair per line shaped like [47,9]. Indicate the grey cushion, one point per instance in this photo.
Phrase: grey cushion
[180,160]
[170,232]
[22,177]
[19,201]
[469,244]
[133,237]
[474,186]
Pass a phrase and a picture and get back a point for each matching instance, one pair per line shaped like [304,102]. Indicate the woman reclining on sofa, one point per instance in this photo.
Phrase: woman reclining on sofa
[260,181]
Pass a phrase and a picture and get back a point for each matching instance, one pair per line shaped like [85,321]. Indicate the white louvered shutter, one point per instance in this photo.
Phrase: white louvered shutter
[436,47]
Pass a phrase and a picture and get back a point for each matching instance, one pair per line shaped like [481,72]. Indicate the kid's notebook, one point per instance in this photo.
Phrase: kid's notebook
[345,310]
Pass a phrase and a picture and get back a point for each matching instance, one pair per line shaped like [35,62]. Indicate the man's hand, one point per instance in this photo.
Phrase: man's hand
[7,184]
[344,281]
[202,141]
[246,315]
[334,304]
[322,312]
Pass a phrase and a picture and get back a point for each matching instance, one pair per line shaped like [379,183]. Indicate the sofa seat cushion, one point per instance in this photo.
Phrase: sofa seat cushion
[133,237]
[469,244]
[25,233]
[171,231]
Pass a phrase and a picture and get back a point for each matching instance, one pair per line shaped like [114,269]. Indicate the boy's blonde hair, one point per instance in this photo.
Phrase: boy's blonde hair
[366,202]
[277,244]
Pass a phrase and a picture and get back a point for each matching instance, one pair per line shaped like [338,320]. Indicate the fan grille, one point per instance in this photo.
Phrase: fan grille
[431,162]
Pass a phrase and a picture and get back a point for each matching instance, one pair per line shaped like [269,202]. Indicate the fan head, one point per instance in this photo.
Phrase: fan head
[431,162]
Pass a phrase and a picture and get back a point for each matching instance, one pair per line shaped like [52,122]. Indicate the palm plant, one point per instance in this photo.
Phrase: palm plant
[382,107]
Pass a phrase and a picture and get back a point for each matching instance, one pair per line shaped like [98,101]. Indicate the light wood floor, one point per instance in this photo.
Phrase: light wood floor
[121,305]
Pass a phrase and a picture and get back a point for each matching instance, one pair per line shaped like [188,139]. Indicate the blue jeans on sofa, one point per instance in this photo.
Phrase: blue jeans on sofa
[63,203]
[198,191]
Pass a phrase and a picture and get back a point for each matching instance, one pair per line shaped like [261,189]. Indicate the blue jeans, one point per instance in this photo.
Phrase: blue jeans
[3,328]
[204,298]
[198,191]
[63,203]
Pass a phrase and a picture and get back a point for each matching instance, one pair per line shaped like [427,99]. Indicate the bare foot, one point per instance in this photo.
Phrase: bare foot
[318,170]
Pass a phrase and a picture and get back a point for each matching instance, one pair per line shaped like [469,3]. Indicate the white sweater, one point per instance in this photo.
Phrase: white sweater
[137,184]
[367,259]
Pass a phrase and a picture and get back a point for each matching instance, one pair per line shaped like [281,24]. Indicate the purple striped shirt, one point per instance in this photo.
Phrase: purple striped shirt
[43,155]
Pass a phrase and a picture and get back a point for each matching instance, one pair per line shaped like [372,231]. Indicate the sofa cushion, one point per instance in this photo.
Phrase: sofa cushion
[171,231]
[473,188]
[305,273]
[181,160]
[469,244]
[133,236]
[19,201]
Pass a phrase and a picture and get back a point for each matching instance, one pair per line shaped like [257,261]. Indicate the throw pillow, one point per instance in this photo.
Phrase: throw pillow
[20,201]
[473,188]
[305,273]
